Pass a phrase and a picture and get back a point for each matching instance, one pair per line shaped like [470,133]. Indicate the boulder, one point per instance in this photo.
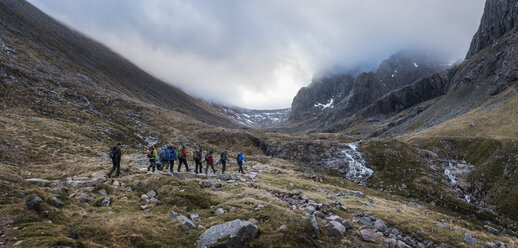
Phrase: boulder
[390,243]
[491,229]
[282,228]
[368,235]
[56,202]
[380,225]
[144,197]
[151,194]
[186,222]
[336,228]
[34,204]
[195,217]
[356,193]
[347,224]
[219,211]
[106,202]
[231,234]
[469,239]
[335,218]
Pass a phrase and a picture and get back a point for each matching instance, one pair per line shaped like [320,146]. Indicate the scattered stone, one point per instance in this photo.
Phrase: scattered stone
[492,229]
[347,224]
[469,239]
[219,211]
[34,204]
[18,243]
[415,205]
[223,177]
[129,190]
[144,207]
[282,228]
[253,220]
[151,194]
[206,183]
[200,227]
[335,218]
[56,191]
[56,202]
[195,217]
[440,224]
[401,244]
[390,243]
[116,183]
[106,202]
[356,193]
[310,209]
[259,207]
[144,196]
[153,200]
[230,234]
[335,228]
[380,225]
[368,235]
[125,198]
[103,192]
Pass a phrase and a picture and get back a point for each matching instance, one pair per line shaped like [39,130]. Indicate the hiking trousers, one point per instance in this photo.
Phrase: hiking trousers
[152,164]
[116,167]
[207,168]
[171,163]
[165,164]
[223,166]
[240,167]
[198,168]
[183,161]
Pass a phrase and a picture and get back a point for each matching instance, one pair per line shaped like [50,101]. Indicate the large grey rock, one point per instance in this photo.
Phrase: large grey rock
[356,193]
[34,204]
[368,235]
[106,202]
[219,211]
[380,225]
[232,234]
[469,239]
[492,229]
[335,228]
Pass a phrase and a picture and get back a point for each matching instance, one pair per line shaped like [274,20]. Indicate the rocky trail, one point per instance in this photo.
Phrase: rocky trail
[348,215]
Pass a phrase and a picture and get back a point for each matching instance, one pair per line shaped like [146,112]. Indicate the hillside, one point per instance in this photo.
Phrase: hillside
[65,100]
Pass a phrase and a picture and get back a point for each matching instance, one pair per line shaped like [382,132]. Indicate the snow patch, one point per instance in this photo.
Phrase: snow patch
[327,105]
[415,65]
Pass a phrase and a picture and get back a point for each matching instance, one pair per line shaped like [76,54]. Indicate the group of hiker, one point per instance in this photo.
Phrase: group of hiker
[168,155]
[165,158]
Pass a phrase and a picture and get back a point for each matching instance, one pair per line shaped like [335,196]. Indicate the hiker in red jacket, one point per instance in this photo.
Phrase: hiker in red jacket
[210,161]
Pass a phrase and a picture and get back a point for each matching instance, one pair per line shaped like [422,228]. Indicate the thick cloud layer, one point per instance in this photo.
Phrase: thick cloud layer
[257,54]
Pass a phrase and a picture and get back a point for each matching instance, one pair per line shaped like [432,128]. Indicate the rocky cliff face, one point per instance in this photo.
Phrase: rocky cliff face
[500,18]
[320,96]
[449,94]
[338,97]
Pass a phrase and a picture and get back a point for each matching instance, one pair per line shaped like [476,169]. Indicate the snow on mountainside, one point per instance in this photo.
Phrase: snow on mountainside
[255,118]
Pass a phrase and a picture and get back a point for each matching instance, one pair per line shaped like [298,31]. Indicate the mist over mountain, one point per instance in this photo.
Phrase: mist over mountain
[264,51]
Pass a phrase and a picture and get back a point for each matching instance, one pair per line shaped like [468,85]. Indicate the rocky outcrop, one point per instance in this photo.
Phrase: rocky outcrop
[320,96]
[500,19]
[230,234]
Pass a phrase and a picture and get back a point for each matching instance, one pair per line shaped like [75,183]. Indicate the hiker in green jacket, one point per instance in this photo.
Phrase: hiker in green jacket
[152,154]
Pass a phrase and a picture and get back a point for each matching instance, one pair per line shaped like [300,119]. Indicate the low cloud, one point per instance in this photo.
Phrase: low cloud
[257,54]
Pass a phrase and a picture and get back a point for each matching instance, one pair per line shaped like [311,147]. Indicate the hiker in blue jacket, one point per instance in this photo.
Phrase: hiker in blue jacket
[172,157]
[240,159]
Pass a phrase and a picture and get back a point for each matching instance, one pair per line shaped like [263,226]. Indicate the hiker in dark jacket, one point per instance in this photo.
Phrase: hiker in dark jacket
[152,154]
[210,161]
[240,159]
[197,157]
[115,155]
[182,158]
[223,159]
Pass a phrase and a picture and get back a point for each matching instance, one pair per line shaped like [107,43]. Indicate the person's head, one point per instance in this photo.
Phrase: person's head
[210,152]
[239,154]
[119,144]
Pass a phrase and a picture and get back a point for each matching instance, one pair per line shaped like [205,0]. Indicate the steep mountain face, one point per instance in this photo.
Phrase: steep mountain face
[500,18]
[331,99]
[481,79]
[37,43]
[320,96]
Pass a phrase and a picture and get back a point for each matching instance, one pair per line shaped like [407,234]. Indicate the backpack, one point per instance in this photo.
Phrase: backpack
[112,152]
[207,157]
[163,154]
[150,153]
[180,153]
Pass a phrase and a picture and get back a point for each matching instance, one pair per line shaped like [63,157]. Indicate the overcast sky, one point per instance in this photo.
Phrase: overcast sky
[259,53]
